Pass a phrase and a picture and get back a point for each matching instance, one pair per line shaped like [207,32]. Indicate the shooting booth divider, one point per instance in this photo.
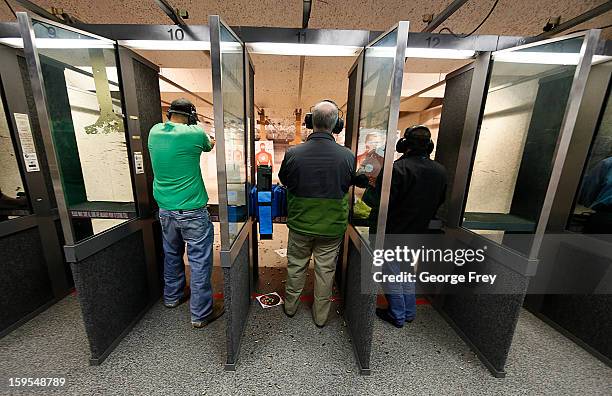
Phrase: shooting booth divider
[375,84]
[572,289]
[486,316]
[33,273]
[232,77]
[108,235]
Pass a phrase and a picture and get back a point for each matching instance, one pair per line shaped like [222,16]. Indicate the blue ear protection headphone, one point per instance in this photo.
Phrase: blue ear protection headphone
[339,124]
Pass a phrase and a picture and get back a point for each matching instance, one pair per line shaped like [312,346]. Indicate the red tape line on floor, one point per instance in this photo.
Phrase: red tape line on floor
[381,300]
[309,298]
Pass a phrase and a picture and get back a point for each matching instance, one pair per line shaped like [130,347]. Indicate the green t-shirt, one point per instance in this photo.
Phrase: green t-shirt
[175,155]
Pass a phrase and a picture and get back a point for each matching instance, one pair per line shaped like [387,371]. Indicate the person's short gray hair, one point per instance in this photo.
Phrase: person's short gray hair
[324,116]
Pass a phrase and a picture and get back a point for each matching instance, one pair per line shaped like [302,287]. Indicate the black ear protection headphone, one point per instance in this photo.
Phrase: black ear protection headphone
[414,143]
[192,116]
[339,124]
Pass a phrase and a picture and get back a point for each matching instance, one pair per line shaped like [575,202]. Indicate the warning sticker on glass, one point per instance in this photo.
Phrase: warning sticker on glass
[138,162]
[27,142]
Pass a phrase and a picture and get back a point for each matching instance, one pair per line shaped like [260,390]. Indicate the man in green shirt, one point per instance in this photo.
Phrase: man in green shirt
[175,147]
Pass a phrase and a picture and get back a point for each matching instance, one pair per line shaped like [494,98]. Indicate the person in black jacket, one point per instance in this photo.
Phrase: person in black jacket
[418,188]
[317,175]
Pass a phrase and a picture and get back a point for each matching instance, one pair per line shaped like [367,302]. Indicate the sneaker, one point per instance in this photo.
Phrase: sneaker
[216,314]
[383,314]
[176,303]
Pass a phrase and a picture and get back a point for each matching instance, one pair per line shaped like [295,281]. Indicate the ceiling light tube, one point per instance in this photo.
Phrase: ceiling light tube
[166,45]
[302,49]
[539,58]
[597,59]
[439,53]
[49,43]
[56,43]
[15,42]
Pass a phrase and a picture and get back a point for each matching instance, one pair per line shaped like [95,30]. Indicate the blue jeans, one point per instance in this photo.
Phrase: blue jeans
[400,296]
[194,228]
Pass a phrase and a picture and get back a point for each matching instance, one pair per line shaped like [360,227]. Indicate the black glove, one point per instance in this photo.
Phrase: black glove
[360,180]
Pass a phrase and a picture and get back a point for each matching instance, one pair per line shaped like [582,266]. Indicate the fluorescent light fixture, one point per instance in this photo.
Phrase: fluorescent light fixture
[436,53]
[15,42]
[427,53]
[597,59]
[230,46]
[380,52]
[302,49]
[539,58]
[166,45]
[49,43]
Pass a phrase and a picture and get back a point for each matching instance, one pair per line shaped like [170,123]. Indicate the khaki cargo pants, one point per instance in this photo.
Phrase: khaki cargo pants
[325,252]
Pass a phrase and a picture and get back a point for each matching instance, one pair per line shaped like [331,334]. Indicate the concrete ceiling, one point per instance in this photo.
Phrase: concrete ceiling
[277,77]
[511,17]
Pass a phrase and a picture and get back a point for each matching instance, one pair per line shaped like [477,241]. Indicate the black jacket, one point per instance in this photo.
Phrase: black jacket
[418,188]
[318,175]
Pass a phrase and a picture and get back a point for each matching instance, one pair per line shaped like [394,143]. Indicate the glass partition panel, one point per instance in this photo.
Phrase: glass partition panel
[232,83]
[592,212]
[84,103]
[13,198]
[372,136]
[524,109]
